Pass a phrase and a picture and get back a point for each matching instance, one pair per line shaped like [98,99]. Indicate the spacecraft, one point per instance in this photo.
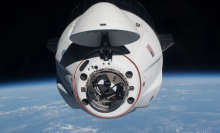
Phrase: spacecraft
[109,58]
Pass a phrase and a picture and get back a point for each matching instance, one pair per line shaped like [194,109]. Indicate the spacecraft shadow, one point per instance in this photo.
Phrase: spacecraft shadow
[79,52]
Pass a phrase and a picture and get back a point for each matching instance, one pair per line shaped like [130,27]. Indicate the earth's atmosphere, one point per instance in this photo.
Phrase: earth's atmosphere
[184,104]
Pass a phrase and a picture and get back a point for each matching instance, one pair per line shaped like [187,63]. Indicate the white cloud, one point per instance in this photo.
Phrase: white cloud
[61,127]
[168,124]
[158,99]
[135,129]
[204,113]
[173,99]
[176,108]
[97,120]
[163,89]
[79,117]
[22,97]
[83,130]
[47,112]
[57,102]
[167,107]
[68,127]
[33,109]
[25,109]
[183,98]
[16,128]
[183,91]
[216,122]
[185,84]
[205,100]
[3,98]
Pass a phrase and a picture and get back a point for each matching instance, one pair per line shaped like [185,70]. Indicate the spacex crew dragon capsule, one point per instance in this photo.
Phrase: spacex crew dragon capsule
[109,58]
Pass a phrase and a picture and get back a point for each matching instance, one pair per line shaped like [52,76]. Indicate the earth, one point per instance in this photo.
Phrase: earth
[185,103]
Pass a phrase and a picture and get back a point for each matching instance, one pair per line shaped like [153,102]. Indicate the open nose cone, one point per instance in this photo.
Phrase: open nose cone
[104,18]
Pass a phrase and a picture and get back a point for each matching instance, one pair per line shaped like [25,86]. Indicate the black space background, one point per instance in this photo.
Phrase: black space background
[26,27]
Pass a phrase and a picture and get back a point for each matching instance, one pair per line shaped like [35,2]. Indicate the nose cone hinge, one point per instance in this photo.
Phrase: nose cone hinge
[105,51]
